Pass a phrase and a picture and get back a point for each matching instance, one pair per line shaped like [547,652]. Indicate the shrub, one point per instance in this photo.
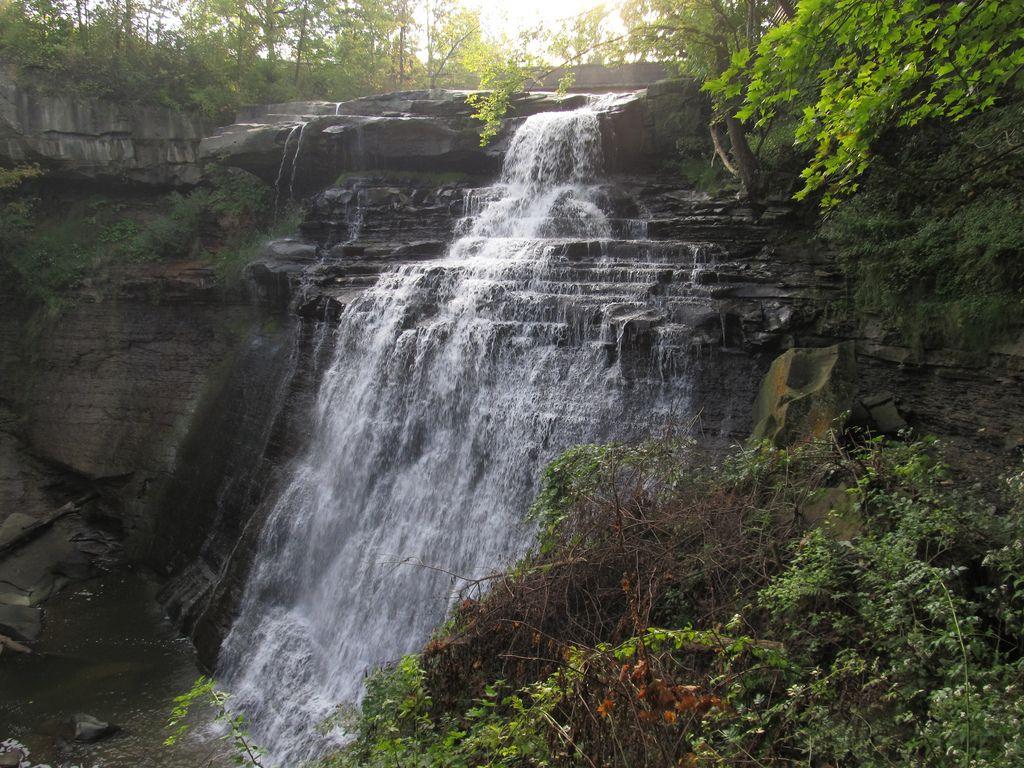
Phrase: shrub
[754,625]
[934,241]
[222,222]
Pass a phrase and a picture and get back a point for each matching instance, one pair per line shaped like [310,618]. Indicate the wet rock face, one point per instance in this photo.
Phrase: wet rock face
[81,138]
[738,286]
[166,400]
[100,398]
[304,146]
[180,403]
[352,233]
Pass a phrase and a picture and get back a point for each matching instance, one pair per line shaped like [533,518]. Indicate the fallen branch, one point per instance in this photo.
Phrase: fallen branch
[13,645]
[44,523]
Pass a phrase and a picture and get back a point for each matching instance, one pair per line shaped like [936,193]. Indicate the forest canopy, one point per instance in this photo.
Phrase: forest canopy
[213,55]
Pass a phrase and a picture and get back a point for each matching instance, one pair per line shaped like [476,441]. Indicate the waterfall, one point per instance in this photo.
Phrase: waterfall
[295,160]
[284,159]
[453,383]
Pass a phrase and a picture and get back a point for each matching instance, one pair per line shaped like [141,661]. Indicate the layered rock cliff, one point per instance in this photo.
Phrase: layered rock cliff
[88,139]
[172,403]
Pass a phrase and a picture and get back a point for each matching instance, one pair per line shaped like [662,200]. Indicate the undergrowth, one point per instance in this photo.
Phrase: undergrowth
[824,605]
[934,241]
[52,247]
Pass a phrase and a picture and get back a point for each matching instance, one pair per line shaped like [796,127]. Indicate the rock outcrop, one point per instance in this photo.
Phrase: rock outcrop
[87,729]
[102,402]
[804,394]
[305,146]
[79,138]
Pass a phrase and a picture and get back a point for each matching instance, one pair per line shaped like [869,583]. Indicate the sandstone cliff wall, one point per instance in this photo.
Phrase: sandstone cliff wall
[82,138]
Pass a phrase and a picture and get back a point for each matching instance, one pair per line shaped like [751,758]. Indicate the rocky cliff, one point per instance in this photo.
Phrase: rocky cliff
[170,404]
[87,139]
[304,146]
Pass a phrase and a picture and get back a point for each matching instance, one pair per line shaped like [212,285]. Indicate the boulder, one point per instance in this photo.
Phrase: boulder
[20,622]
[878,413]
[87,729]
[803,394]
[11,758]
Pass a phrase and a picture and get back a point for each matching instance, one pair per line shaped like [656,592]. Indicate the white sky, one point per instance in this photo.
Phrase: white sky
[511,15]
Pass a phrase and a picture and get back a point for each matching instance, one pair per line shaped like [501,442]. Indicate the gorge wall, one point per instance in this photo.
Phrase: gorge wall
[79,138]
[174,405]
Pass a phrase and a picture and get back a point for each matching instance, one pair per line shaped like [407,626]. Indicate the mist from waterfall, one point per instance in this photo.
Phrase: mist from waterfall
[453,383]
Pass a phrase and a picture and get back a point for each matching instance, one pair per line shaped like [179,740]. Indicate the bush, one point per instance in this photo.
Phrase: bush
[220,222]
[821,605]
[935,241]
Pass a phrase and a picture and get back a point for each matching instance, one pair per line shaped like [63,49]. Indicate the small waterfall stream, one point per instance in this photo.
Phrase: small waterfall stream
[453,383]
[295,129]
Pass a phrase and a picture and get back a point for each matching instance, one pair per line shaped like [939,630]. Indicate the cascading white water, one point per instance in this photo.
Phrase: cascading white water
[295,159]
[298,128]
[453,383]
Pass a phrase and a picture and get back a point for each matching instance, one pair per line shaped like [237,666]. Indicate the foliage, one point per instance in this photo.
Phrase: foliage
[889,633]
[502,76]
[697,36]
[515,63]
[397,725]
[853,70]
[52,247]
[215,55]
[933,241]
[700,37]
[15,209]
[205,693]
[453,37]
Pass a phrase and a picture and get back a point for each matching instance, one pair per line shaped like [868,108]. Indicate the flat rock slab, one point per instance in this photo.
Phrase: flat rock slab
[15,525]
[20,622]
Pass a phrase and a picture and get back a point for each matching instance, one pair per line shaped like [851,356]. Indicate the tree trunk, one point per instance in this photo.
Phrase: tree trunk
[401,54]
[430,47]
[747,165]
[129,15]
[718,138]
[270,30]
[739,159]
[301,43]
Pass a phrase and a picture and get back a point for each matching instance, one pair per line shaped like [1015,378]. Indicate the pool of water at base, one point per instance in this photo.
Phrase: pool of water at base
[106,650]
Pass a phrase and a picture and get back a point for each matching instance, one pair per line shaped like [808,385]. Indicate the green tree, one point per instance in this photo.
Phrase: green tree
[703,38]
[452,31]
[510,64]
[853,70]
